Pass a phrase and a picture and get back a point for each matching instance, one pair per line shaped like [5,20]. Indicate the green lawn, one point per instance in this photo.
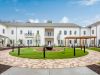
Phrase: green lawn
[94,48]
[34,54]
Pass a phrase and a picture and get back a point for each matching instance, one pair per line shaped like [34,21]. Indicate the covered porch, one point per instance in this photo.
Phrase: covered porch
[82,39]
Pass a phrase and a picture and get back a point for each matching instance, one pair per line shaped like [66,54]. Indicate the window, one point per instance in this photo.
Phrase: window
[3,31]
[58,42]
[12,32]
[70,41]
[49,33]
[38,32]
[21,32]
[60,32]
[70,32]
[11,42]
[75,32]
[21,41]
[65,32]
[29,32]
[92,31]
[84,32]
[75,41]
[99,42]
[30,41]
[61,42]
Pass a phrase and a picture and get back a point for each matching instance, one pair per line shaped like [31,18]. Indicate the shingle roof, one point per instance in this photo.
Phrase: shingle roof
[18,24]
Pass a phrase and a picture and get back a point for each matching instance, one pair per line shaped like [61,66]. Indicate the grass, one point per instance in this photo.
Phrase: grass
[32,53]
[95,49]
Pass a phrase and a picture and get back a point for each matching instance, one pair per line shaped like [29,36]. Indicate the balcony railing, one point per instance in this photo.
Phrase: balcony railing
[49,35]
[29,35]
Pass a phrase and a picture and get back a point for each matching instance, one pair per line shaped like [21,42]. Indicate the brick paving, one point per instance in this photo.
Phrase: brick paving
[92,58]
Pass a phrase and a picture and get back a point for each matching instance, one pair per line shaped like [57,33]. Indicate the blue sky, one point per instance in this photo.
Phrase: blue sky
[82,12]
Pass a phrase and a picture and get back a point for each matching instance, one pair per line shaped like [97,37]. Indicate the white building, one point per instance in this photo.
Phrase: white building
[40,34]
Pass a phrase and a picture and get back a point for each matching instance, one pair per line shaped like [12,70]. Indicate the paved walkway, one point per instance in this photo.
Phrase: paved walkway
[64,71]
[92,58]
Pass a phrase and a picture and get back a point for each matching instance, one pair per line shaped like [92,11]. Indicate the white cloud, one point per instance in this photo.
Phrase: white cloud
[33,20]
[94,19]
[64,20]
[45,21]
[90,20]
[88,2]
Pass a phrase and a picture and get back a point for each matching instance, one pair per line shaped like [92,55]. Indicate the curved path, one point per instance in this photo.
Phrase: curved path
[92,58]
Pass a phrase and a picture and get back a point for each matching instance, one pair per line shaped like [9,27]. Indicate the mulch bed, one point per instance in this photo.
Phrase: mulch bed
[95,68]
[4,68]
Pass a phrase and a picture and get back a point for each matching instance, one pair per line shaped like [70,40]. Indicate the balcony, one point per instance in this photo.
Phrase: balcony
[49,34]
[29,35]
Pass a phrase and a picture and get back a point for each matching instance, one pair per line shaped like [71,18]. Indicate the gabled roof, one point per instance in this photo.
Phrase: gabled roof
[20,24]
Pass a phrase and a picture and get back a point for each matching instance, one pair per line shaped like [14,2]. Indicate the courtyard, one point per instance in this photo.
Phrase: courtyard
[31,59]
[56,53]
[36,60]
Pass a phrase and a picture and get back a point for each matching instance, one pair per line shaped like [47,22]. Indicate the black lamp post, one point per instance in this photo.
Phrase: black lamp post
[18,50]
[13,47]
[84,48]
[44,52]
[64,50]
[74,51]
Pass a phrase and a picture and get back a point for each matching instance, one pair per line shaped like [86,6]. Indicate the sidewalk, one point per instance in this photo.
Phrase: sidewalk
[64,71]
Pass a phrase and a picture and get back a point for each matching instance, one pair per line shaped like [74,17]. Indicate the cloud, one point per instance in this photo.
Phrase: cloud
[64,20]
[94,19]
[88,2]
[45,21]
[90,20]
[33,20]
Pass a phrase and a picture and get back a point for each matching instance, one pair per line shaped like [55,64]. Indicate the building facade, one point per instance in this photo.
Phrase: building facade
[40,34]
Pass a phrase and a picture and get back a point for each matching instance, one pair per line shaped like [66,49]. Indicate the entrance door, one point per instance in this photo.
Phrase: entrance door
[49,43]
